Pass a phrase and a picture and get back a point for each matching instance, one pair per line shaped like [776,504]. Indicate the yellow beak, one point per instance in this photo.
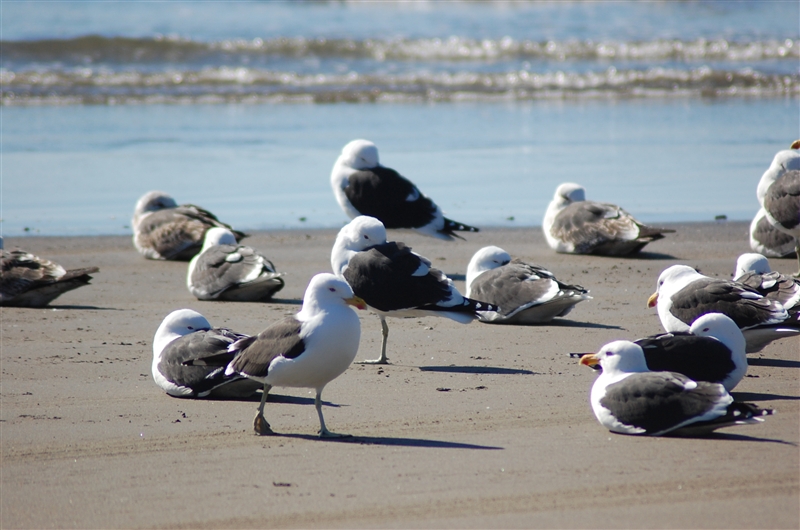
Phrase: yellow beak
[590,360]
[653,300]
[356,302]
[796,144]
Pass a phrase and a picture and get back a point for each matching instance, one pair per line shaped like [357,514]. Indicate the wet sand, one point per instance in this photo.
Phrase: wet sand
[471,426]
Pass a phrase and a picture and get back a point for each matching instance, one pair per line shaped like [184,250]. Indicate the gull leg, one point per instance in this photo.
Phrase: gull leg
[260,424]
[384,336]
[323,431]
[797,253]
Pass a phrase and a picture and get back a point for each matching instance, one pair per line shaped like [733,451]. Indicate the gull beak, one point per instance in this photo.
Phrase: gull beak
[356,302]
[653,300]
[590,359]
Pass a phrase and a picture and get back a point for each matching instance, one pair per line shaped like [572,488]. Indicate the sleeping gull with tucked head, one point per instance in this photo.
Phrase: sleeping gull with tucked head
[523,293]
[164,230]
[185,336]
[394,281]
[225,270]
[30,281]
[754,271]
[573,225]
[628,398]
[363,186]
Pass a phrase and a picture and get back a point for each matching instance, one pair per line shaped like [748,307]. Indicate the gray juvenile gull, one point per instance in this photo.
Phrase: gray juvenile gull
[185,336]
[363,186]
[573,225]
[523,293]
[31,281]
[225,270]
[627,398]
[768,240]
[778,193]
[754,271]
[163,230]
[394,281]
[307,350]
[683,294]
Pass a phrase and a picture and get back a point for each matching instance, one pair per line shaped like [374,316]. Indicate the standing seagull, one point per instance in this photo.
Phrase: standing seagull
[185,336]
[394,281]
[225,270]
[768,240]
[754,271]
[778,193]
[627,398]
[164,230]
[573,225]
[30,281]
[363,186]
[683,294]
[523,293]
[307,350]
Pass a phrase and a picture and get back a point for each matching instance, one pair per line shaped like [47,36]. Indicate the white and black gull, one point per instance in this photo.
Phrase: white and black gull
[394,281]
[573,225]
[307,350]
[523,293]
[363,186]
[768,240]
[754,271]
[628,398]
[778,193]
[683,294]
[185,336]
[226,270]
[165,231]
[30,281]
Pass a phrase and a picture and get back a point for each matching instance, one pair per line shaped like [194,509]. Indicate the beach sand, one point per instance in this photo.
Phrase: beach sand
[471,426]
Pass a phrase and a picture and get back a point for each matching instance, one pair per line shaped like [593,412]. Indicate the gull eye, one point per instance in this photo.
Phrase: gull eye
[609,353]
[706,329]
[366,236]
[189,327]
[332,289]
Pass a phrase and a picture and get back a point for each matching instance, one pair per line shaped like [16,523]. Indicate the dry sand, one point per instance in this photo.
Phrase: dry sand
[471,426]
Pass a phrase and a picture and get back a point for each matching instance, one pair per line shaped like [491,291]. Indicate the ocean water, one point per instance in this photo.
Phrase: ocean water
[671,109]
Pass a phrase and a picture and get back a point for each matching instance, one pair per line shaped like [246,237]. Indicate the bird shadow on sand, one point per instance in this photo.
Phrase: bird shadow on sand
[285,301]
[393,442]
[81,307]
[744,438]
[758,396]
[564,323]
[775,363]
[274,399]
[486,370]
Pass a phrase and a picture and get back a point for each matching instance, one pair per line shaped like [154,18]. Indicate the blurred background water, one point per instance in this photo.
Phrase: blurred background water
[671,109]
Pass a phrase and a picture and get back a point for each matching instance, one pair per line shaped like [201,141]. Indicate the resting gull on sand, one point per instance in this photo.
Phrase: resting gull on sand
[184,336]
[225,270]
[30,281]
[307,350]
[768,240]
[394,281]
[754,271]
[627,398]
[164,230]
[683,294]
[363,186]
[573,225]
[778,193]
[523,293]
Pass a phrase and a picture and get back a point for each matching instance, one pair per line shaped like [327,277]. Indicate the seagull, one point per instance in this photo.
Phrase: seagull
[225,270]
[363,186]
[683,294]
[627,398]
[31,281]
[307,350]
[394,281]
[524,293]
[163,230]
[573,225]
[768,240]
[754,271]
[184,336]
[778,193]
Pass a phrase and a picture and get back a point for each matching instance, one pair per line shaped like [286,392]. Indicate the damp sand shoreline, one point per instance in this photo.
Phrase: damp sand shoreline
[470,426]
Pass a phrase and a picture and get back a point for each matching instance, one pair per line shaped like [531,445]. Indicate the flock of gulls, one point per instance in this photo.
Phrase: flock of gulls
[677,382]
